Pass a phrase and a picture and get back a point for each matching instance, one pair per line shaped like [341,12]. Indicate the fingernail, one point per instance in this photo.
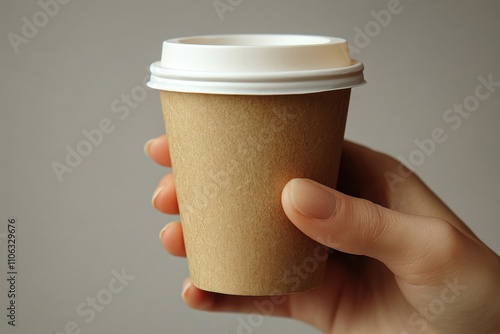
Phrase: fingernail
[185,287]
[163,230]
[155,194]
[147,146]
[312,199]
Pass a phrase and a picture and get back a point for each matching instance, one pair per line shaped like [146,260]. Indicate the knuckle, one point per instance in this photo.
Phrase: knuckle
[377,223]
[448,239]
[370,223]
[444,251]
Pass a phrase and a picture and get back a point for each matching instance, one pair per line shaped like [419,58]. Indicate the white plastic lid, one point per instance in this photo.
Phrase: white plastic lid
[255,65]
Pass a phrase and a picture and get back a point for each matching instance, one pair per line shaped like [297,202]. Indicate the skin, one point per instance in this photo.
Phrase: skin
[403,261]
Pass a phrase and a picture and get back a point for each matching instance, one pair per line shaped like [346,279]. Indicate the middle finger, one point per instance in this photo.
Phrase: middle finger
[164,197]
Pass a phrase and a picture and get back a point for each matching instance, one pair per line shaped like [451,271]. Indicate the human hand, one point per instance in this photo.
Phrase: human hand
[404,263]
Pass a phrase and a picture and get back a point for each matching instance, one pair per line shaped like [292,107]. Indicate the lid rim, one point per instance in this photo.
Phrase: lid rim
[260,64]
[325,40]
[257,87]
[158,70]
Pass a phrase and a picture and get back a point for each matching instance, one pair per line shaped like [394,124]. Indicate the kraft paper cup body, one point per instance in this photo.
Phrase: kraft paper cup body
[232,155]
[237,135]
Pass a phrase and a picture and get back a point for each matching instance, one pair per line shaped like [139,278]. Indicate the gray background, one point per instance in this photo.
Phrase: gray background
[73,234]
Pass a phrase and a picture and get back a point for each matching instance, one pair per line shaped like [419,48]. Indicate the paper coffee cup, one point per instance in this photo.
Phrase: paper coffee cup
[245,114]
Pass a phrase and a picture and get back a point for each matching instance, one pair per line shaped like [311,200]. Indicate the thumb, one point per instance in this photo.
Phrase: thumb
[410,246]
